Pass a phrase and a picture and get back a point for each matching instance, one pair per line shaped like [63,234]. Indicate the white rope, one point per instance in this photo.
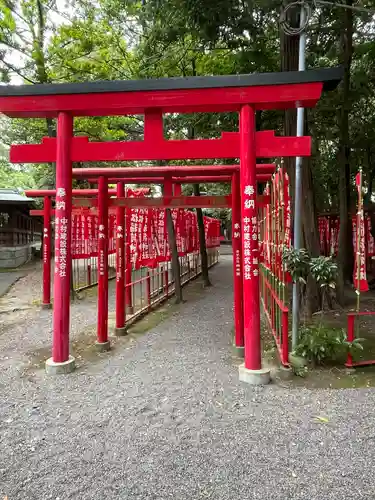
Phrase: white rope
[299,5]
[308,6]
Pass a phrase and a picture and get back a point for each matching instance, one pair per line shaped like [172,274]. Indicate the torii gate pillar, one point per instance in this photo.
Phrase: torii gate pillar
[46,304]
[251,371]
[238,344]
[61,361]
[120,328]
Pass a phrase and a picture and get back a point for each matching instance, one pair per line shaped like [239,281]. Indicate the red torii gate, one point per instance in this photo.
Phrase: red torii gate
[124,275]
[168,201]
[241,93]
[203,201]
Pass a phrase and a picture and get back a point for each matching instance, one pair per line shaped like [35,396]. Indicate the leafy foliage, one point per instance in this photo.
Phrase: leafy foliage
[320,344]
[324,272]
[12,177]
[297,263]
[321,269]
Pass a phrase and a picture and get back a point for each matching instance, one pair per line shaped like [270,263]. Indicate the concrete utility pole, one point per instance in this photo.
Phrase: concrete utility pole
[298,182]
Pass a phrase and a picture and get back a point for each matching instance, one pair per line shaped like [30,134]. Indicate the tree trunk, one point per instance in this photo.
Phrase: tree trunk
[176,269]
[345,256]
[202,241]
[200,221]
[310,234]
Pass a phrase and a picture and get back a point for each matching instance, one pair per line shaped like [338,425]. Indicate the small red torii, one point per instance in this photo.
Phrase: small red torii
[78,207]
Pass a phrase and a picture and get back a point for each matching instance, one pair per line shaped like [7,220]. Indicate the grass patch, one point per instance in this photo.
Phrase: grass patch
[269,350]
[82,348]
[153,319]
[191,293]
[88,293]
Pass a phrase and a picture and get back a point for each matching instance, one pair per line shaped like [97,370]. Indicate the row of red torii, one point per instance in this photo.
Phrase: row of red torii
[244,94]
[137,236]
[120,242]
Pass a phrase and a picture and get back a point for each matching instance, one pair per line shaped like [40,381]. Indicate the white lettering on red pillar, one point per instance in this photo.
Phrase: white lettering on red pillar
[287,235]
[250,235]
[120,236]
[101,236]
[161,237]
[362,274]
[89,236]
[134,247]
[45,238]
[82,239]
[144,235]
[63,246]
[236,235]
[61,233]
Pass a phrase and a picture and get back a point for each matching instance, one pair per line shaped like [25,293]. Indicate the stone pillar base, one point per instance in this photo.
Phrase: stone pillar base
[254,377]
[238,351]
[103,346]
[46,306]
[63,368]
[121,331]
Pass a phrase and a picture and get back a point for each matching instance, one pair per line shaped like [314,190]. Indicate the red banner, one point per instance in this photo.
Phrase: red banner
[212,232]
[288,221]
[85,235]
[276,225]
[146,232]
[359,273]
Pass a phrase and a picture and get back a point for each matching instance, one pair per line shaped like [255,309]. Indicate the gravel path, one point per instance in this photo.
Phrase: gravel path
[7,280]
[166,418]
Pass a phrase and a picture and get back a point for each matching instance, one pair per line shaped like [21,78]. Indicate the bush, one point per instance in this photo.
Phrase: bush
[297,263]
[322,269]
[324,272]
[319,344]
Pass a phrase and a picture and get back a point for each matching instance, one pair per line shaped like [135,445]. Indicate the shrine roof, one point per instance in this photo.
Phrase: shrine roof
[12,195]
[330,77]
[199,93]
